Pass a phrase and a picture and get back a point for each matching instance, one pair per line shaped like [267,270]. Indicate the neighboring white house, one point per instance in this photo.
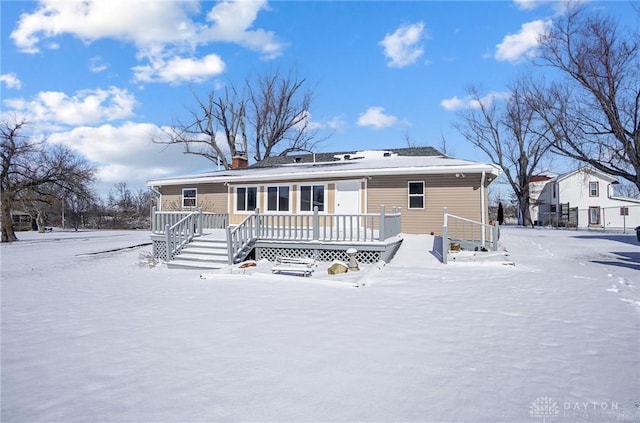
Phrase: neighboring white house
[584,198]
[536,187]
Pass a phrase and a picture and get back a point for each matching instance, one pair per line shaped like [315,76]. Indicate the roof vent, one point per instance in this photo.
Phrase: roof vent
[297,159]
[387,154]
[347,156]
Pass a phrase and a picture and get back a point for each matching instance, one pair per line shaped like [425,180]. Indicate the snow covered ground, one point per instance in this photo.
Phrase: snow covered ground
[95,335]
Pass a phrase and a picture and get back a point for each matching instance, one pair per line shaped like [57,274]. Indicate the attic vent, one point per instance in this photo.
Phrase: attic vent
[347,156]
[387,154]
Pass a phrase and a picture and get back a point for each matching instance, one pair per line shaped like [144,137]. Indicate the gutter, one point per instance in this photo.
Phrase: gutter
[247,176]
[483,215]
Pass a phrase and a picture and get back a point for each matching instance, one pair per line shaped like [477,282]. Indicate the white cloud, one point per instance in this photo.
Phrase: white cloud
[374,116]
[97,64]
[145,23]
[231,22]
[527,4]
[11,80]
[454,103]
[179,69]
[308,122]
[523,44]
[560,6]
[402,47]
[127,153]
[85,107]
[162,31]
[337,123]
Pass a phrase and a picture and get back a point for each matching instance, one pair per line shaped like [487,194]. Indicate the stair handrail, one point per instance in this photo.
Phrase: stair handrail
[493,231]
[242,235]
[180,234]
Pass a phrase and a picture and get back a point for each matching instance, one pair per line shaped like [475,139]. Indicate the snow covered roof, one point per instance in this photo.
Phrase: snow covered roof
[586,169]
[358,164]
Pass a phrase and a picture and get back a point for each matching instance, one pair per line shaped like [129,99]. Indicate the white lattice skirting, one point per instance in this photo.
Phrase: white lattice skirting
[272,253]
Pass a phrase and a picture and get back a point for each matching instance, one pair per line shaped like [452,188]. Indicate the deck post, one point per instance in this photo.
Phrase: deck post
[168,241]
[257,223]
[381,228]
[153,219]
[230,245]
[200,221]
[316,224]
[445,237]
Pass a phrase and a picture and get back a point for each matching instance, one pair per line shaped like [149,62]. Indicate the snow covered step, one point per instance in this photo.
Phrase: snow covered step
[205,251]
[202,253]
[195,265]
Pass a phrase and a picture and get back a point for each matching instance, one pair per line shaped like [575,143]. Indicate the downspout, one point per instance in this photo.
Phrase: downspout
[483,214]
[158,196]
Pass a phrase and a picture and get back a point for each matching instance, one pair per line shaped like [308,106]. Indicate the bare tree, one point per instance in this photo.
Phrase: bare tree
[215,117]
[270,116]
[594,112]
[509,133]
[33,169]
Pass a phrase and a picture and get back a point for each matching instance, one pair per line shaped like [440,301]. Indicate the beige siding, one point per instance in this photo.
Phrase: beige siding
[211,197]
[461,196]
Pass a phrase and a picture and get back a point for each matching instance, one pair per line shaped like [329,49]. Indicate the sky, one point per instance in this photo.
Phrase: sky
[102,77]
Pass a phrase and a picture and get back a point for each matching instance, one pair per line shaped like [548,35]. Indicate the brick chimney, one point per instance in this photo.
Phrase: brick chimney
[239,161]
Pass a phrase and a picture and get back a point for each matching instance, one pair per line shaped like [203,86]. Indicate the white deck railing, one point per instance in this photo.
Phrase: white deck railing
[205,220]
[180,234]
[179,228]
[362,227]
[456,228]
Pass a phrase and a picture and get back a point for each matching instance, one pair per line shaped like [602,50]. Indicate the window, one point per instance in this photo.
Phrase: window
[189,197]
[246,198]
[278,199]
[311,196]
[624,211]
[554,186]
[416,195]
[553,209]
[593,189]
[594,215]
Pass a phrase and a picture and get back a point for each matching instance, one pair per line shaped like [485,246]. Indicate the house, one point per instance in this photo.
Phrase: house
[584,198]
[537,184]
[342,189]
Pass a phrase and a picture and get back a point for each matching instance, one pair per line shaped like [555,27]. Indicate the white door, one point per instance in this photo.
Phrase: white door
[348,197]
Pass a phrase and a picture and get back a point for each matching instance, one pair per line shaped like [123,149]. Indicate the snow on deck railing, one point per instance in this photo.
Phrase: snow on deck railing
[180,234]
[361,227]
[456,228]
[206,220]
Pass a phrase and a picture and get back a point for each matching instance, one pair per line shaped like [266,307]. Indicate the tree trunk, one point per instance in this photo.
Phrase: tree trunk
[40,222]
[8,235]
[525,212]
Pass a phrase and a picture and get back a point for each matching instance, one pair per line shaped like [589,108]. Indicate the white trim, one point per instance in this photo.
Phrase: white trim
[235,198]
[423,195]
[325,192]
[195,199]
[266,195]
[285,174]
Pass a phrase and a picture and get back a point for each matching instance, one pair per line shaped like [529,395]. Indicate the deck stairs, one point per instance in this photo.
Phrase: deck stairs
[203,253]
